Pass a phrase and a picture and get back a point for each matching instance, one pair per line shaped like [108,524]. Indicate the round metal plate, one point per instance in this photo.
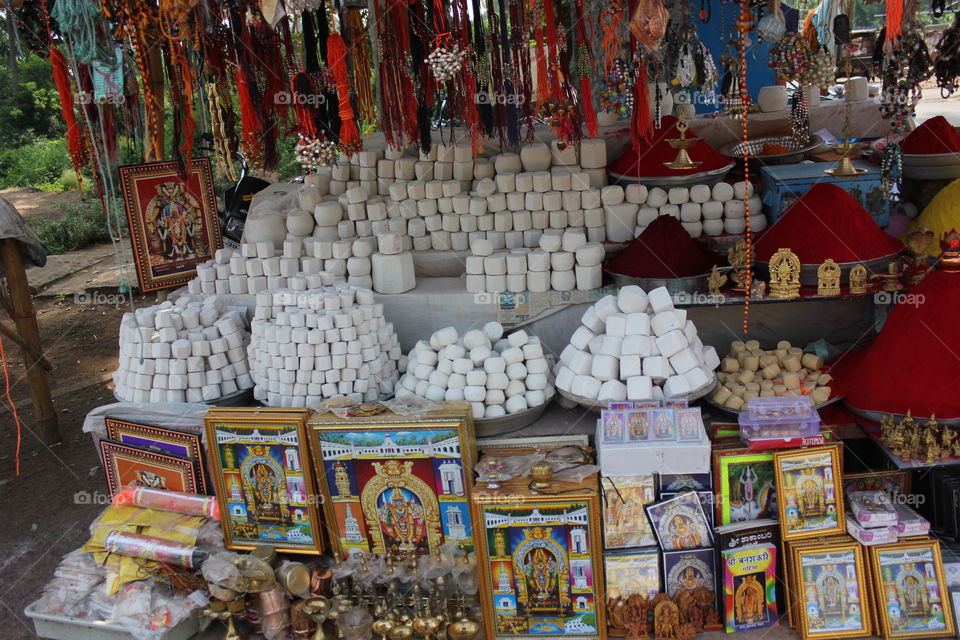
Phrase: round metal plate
[597,406]
[796,152]
[489,427]
[704,177]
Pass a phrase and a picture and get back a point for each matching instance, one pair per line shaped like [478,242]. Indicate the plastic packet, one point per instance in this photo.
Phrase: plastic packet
[243,573]
[649,23]
[135,545]
[411,406]
[576,473]
[146,612]
[496,469]
[191,504]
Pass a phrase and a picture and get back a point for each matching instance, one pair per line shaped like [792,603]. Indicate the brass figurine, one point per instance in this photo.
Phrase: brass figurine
[714,281]
[740,259]
[858,279]
[784,274]
[828,278]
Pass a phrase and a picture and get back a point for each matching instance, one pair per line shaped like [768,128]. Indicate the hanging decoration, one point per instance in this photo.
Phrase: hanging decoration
[891,171]
[362,67]
[649,23]
[446,60]
[313,153]
[800,118]
[947,65]
[76,145]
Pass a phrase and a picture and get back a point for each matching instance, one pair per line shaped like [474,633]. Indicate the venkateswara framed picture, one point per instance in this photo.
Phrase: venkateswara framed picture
[541,560]
[265,489]
[809,492]
[911,593]
[831,592]
[173,220]
[126,465]
[395,485]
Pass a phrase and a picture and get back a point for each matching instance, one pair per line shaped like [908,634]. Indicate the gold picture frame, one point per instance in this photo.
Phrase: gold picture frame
[809,492]
[396,485]
[830,590]
[516,522]
[785,570]
[894,568]
[265,489]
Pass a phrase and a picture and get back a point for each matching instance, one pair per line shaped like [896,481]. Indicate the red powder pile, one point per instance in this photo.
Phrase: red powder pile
[912,364]
[663,250]
[658,150]
[936,135]
[826,222]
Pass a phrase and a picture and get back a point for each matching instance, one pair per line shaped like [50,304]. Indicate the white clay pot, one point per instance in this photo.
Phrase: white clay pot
[813,94]
[856,89]
[772,98]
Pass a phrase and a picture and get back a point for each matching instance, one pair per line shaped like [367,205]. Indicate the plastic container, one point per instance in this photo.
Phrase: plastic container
[59,627]
[779,417]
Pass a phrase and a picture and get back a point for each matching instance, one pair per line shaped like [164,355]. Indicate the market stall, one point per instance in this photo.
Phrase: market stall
[587,318]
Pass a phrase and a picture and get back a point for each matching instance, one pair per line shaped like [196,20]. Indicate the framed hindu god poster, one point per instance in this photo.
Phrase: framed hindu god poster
[744,485]
[831,594]
[393,485]
[265,490]
[809,492]
[911,594]
[173,220]
[541,561]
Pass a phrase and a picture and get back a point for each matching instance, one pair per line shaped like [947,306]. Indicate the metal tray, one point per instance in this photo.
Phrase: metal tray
[59,627]
[490,427]
[688,285]
[597,406]
[239,398]
[931,166]
[709,178]
[808,272]
[796,153]
[875,416]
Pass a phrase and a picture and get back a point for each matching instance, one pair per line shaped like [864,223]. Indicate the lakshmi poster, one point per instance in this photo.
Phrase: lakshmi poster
[912,595]
[541,569]
[173,221]
[400,492]
[829,588]
[265,496]
[749,588]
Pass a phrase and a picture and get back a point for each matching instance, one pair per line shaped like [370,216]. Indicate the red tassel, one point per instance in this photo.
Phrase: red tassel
[249,120]
[78,151]
[586,100]
[302,85]
[642,124]
[337,58]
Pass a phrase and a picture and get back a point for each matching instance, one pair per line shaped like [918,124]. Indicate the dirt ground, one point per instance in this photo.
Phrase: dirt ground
[34,204]
[41,518]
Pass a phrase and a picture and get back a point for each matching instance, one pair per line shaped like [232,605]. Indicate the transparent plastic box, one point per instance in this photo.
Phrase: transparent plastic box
[779,417]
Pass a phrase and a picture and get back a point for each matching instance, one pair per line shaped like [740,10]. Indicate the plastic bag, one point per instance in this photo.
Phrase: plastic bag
[772,26]
[649,23]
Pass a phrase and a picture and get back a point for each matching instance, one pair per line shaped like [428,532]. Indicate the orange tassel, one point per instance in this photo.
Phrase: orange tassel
[78,151]
[586,100]
[337,58]
[642,124]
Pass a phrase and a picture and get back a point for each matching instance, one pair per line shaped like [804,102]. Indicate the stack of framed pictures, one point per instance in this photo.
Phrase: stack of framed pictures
[631,557]
[151,456]
[265,489]
[396,485]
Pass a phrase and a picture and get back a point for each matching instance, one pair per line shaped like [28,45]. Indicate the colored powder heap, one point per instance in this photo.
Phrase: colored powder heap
[663,250]
[936,135]
[658,150]
[912,364]
[940,216]
[826,222]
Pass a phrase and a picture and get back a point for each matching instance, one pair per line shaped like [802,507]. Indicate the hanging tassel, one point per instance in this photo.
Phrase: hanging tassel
[586,99]
[78,151]
[249,120]
[337,59]
[641,125]
[302,85]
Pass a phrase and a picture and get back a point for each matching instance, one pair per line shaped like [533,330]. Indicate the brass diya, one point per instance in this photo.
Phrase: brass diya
[683,160]
[845,169]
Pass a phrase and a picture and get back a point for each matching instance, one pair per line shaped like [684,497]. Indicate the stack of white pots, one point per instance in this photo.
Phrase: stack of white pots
[564,261]
[635,346]
[311,345]
[498,375]
[191,350]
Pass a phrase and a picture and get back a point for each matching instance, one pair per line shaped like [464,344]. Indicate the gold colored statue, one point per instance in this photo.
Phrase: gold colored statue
[858,279]
[714,281]
[828,278]
[784,274]
[740,259]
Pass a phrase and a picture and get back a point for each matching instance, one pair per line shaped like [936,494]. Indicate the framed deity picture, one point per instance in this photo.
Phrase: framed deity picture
[624,523]
[744,485]
[173,220]
[614,427]
[809,492]
[893,482]
[689,569]
[912,597]
[831,594]
[706,501]
[632,572]
[396,486]
[679,523]
[638,425]
[664,424]
[160,440]
[264,486]
[678,482]
[542,574]
[126,465]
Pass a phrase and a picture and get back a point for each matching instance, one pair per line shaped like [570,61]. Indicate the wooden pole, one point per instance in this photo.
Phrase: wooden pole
[25,317]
